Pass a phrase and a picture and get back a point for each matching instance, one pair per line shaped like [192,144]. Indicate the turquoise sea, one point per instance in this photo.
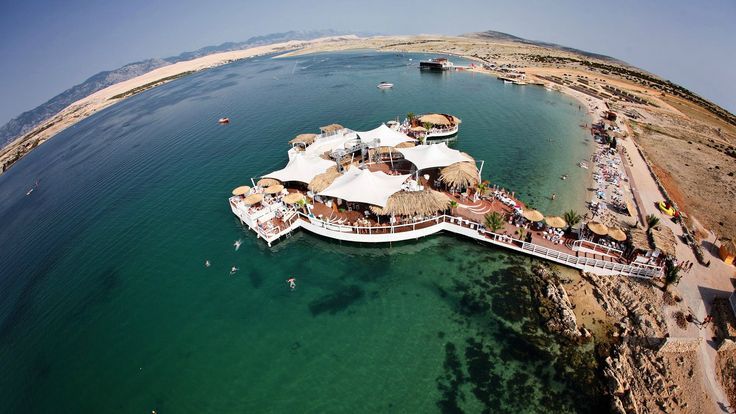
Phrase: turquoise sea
[106,305]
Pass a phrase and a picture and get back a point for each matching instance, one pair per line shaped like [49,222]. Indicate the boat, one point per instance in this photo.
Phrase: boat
[438,64]
[223,121]
[667,208]
[507,81]
[583,164]
[385,85]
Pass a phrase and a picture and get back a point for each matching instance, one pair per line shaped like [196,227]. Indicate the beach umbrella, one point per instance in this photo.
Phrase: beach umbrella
[460,175]
[410,203]
[322,181]
[533,215]
[406,145]
[598,228]
[253,199]
[293,198]
[267,182]
[556,222]
[616,234]
[419,129]
[274,189]
[241,190]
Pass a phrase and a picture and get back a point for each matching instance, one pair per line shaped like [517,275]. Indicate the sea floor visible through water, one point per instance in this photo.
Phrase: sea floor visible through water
[107,305]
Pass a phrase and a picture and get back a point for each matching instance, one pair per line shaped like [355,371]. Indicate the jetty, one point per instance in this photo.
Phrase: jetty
[383,186]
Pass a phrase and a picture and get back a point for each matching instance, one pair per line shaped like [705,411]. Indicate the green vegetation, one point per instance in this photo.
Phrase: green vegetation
[572,218]
[652,221]
[494,221]
[150,85]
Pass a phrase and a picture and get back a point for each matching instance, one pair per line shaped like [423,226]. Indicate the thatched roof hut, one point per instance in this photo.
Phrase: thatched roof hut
[406,145]
[306,139]
[664,239]
[439,119]
[639,240]
[331,129]
[322,181]
[267,182]
[410,203]
[460,175]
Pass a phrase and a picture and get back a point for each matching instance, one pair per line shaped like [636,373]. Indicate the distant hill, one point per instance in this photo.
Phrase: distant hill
[29,119]
[505,37]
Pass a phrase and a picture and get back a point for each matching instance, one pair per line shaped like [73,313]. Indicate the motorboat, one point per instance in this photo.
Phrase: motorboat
[223,121]
[385,85]
[436,64]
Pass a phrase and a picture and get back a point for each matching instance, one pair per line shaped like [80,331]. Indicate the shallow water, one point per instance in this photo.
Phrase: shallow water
[106,305]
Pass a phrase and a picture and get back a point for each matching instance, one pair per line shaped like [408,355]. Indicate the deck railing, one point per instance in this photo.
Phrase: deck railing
[587,244]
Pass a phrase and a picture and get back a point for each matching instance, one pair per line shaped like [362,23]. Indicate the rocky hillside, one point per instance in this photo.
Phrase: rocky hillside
[29,119]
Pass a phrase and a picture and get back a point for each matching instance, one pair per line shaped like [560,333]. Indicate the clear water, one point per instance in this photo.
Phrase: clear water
[107,306]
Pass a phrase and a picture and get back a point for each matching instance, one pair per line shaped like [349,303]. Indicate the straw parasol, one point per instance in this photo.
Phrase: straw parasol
[241,190]
[639,239]
[598,228]
[407,144]
[274,189]
[556,222]
[253,199]
[409,203]
[616,234]
[322,181]
[418,129]
[460,175]
[267,182]
[306,139]
[533,215]
[293,198]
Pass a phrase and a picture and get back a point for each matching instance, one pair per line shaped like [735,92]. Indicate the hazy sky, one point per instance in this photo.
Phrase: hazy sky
[48,46]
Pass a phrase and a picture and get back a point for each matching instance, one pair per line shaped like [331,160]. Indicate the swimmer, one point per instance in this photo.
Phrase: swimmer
[233,270]
[292,283]
[237,244]
[554,196]
[207,263]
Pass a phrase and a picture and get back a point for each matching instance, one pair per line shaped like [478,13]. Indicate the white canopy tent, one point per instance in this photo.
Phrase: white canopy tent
[364,186]
[329,143]
[302,168]
[431,156]
[385,136]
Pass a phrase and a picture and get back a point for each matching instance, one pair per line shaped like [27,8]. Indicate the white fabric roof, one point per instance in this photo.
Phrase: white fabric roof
[434,155]
[329,143]
[386,136]
[364,186]
[301,168]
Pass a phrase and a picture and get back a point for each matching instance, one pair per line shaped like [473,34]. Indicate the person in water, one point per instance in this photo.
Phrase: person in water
[207,263]
[554,196]
[292,283]
[233,270]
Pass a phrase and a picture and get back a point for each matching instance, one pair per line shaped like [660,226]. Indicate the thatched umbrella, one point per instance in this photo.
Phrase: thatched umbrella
[331,128]
[616,234]
[409,203]
[460,175]
[293,198]
[407,144]
[418,129]
[306,139]
[267,182]
[322,181]
[598,228]
[241,190]
[253,199]
[556,222]
[532,215]
[274,189]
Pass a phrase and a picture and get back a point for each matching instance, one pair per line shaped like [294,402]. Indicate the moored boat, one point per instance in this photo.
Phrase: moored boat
[385,85]
[223,121]
[436,64]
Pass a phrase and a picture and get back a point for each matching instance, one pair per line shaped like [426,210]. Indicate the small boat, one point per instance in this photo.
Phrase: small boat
[29,192]
[583,164]
[223,121]
[507,81]
[385,85]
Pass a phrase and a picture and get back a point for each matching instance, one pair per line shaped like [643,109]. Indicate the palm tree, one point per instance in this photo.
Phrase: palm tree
[482,187]
[652,220]
[303,205]
[521,232]
[410,116]
[572,218]
[671,273]
[494,221]
[453,206]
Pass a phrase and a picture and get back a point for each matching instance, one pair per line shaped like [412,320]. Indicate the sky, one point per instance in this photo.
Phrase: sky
[49,46]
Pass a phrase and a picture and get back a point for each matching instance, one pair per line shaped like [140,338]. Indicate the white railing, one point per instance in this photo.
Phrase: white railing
[596,247]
